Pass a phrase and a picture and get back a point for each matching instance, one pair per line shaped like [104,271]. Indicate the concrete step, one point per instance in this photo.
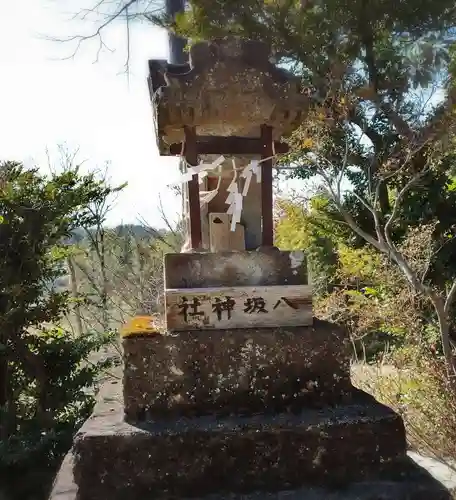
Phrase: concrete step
[206,455]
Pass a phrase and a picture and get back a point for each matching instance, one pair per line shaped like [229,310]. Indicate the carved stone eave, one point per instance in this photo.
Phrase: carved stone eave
[229,88]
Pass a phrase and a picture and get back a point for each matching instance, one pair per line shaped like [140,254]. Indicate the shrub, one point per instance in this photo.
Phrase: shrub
[45,375]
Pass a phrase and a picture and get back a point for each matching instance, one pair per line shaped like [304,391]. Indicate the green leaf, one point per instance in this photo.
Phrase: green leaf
[370,292]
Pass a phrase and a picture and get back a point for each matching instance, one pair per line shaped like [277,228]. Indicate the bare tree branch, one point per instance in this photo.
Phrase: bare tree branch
[450,298]
[350,220]
[123,10]
[110,19]
[399,198]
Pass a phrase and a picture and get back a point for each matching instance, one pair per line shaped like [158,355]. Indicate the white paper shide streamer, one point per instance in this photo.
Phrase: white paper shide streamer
[201,170]
[235,198]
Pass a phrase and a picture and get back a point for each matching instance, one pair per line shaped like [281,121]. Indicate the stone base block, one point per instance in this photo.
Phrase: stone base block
[412,483]
[243,371]
[227,269]
[208,455]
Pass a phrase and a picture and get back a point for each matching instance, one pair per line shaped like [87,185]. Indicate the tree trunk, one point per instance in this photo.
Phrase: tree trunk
[104,279]
[384,199]
[4,400]
[75,294]
[444,327]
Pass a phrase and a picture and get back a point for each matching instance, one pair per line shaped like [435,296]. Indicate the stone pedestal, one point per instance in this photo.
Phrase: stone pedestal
[198,456]
[242,413]
[349,452]
[244,372]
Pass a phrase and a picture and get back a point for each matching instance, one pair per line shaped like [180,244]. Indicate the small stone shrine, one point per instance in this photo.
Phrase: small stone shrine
[244,395]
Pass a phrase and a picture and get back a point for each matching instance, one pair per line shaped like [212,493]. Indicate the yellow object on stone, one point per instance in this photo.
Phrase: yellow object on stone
[308,142]
[140,325]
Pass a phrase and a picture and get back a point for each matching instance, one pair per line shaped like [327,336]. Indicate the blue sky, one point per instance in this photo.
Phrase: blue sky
[46,101]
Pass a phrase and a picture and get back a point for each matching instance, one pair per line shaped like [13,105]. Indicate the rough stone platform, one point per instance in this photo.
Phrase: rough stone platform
[243,371]
[416,484]
[242,456]
[206,455]
[140,467]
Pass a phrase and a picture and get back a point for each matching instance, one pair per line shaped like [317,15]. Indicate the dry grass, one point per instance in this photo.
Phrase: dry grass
[420,394]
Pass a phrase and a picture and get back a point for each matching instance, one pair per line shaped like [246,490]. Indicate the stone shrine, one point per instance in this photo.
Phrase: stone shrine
[244,395]
[230,100]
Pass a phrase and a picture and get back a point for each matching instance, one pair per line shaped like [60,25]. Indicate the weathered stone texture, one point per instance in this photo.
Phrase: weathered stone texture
[240,371]
[229,88]
[412,483]
[202,270]
[205,455]
[108,464]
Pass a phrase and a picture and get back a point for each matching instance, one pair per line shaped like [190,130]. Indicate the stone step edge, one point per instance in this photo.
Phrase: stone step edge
[442,481]
[236,453]
[111,410]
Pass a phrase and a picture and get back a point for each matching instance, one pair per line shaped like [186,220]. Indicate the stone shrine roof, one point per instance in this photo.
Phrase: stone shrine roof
[229,88]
